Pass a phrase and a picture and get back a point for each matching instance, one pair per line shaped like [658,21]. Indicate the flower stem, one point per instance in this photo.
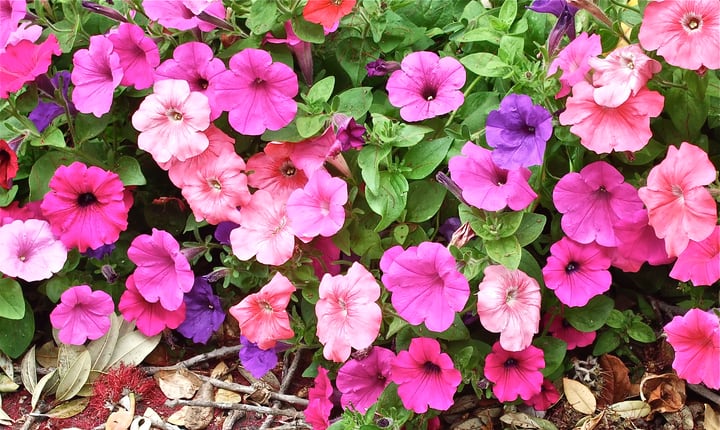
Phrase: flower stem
[465,94]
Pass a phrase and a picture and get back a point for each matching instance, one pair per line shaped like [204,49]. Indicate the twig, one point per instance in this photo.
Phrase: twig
[668,309]
[238,406]
[238,388]
[705,392]
[283,387]
[217,353]
[232,417]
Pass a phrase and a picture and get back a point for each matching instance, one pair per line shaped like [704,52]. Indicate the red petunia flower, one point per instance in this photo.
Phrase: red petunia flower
[327,12]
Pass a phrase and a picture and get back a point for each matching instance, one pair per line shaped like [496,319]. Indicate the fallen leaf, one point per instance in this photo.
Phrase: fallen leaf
[6,365]
[7,385]
[47,354]
[664,393]
[178,417]
[119,420]
[199,417]
[712,418]
[5,419]
[579,396]
[132,348]
[519,420]
[28,370]
[74,376]
[47,383]
[631,409]
[178,384]
[589,423]
[68,409]
[101,350]
[220,371]
[616,384]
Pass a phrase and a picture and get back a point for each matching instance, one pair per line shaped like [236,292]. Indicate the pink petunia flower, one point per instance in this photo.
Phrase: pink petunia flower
[262,316]
[13,211]
[426,86]
[361,381]
[515,373]
[324,255]
[11,12]
[150,318]
[560,328]
[301,49]
[96,73]
[425,284]
[573,60]
[171,121]
[257,93]
[274,171]
[695,337]
[183,15]
[547,396]
[577,272]
[594,202]
[684,32]
[163,273]
[487,186]
[426,377]
[219,145]
[138,55]
[327,12]
[264,231]
[21,62]
[700,261]
[87,207]
[318,208]
[622,73]
[638,245]
[317,413]
[82,314]
[680,209]
[29,250]
[347,313]
[509,304]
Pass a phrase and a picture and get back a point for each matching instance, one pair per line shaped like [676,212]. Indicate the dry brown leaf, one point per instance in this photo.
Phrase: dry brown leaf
[631,409]
[178,384]
[579,396]
[199,417]
[47,355]
[616,380]
[178,417]
[664,393]
[220,371]
[519,420]
[589,423]
[712,418]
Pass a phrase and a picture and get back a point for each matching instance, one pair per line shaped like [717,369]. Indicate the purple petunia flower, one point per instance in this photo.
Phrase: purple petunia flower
[259,361]
[45,112]
[222,231]
[518,131]
[349,133]
[381,67]
[565,23]
[204,313]
[100,252]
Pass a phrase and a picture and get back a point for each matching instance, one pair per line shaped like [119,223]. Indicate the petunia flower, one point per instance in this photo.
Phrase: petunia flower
[565,24]
[29,250]
[171,121]
[82,314]
[203,312]
[13,211]
[347,313]
[547,396]
[258,361]
[700,261]
[262,316]
[318,208]
[150,318]
[348,133]
[327,12]
[274,171]
[11,13]
[301,50]
[8,165]
[426,86]
[101,252]
[163,273]
[96,73]
[223,230]
[518,131]
[426,377]
[509,304]
[577,272]
[425,283]
[638,245]
[46,111]
[695,337]
[573,60]
[381,67]
[317,413]
[86,206]
[515,373]
[487,186]
[183,15]
[21,62]
[138,55]
[684,32]
[362,380]
[560,328]
[257,92]
[622,73]
[680,209]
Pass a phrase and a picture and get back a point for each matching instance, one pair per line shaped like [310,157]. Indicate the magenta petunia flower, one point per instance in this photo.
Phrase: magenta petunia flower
[624,72]
[150,318]
[487,186]
[700,261]
[11,12]
[318,208]
[86,206]
[96,73]
[573,60]
[82,314]
[347,313]
[257,93]
[425,284]
[547,396]
[509,304]
[184,14]
[29,250]
[317,413]
[138,55]
[515,373]
[348,133]
[426,86]
[577,272]
[362,380]
[695,337]
[21,62]
[560,328]
[596,201]
[203,311]
[163,273]
[426,377]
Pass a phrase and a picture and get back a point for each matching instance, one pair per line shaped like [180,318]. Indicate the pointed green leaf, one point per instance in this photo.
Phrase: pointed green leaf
[12,303]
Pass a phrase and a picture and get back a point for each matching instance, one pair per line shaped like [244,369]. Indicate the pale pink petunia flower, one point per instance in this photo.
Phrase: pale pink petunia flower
[138,55]
[362,380]
[347,313]
[425,283]
[150,318]
[96,73]
[695,337]
[680,209]
[318,208]
[623,72]
[684,32]
[29,250]
[426,86]
[573,60]
[183,14]
[263,316]
[257,92]
[264,231]
[82,314]
[219,145]
[515,373]
[23,61]
[700,261]
[317,413]
[171,121]
[509,304]
[163,273]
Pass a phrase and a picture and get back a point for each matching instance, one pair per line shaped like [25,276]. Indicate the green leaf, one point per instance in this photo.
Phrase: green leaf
[369,161]
[457,330]
[354,102]
[554,350]
[616,319]
[499,225]
[592,316]
[481,34]
[510,48]
[486,64]
[508,11]
[424,200]
[263,15]
[51,137]
[400,233]
[44,169]
[16,335]
[424,157]
[89,126]
[641,332]
[12,303]
[606,342]
[390,199]
[352,54]
[321,91]
[530,228]
[7,196]
[505,251]
[687,112]
[307,31]
[129,171]
[310,125]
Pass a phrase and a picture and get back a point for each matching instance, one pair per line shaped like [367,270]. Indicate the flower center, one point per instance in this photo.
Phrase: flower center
[501,178]
[266,306]
[258,81]
[511,295]
[692,22]
[203,83]
[288,169]
[629,60]
[510,362]
[86,199]
[175,115]
[530,129]
[571,267]
[431,367]
[215,184]
[677,191]
[429,93]
[336,2]
[4,158]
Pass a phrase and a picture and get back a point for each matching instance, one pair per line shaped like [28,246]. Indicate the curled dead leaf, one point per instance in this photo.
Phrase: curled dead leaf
[590,422]
[664,393]
[579,396]
[178,384]
[712,418]
[616,385]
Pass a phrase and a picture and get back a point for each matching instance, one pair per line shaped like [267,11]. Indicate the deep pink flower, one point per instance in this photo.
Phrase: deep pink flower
[426,377]
[515,373]
[324,255]
[327,12]
[680,209]
[695,337]
[11,12]
[573,60]
[318,208]
[82,314]
[700,261]
[684,32]
[183,15]
[163,273]
[509,304]
[560,328]
[317,413]
[347,313]
[150,318]
[487,186]
[425,283]
[638,245]
[301,49]
[547,396]
[577,272]
[623,72]
[257,93]
[138,55]
[96,73]
[362,380]
[23,61]
[86,206]
[426,86]
[596,201]
[262,316]
[29,250]
[8,165]
[13,211]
